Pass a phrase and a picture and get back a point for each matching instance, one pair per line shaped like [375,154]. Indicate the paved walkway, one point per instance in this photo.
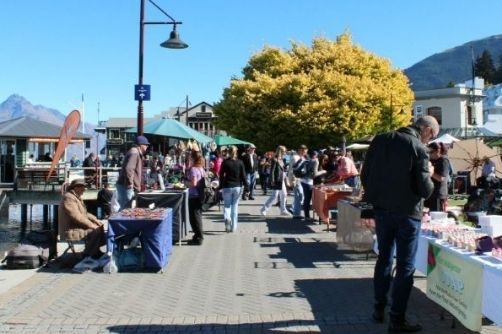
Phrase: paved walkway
[274,275]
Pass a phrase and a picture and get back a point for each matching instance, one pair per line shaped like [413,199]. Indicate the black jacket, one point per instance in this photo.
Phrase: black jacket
[395,174]
[232,174]
[246,158]
[276,174]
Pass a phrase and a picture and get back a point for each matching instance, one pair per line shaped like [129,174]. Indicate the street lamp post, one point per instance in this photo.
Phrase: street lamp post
[391,112]
[172,43]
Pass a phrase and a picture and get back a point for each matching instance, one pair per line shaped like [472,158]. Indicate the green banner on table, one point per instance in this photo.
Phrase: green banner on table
[456,284]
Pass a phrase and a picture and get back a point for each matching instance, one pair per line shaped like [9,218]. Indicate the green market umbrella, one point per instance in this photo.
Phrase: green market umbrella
[221,140]
[169,127]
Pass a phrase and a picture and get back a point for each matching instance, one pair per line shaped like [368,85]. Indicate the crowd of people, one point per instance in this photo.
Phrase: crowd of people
[402,171]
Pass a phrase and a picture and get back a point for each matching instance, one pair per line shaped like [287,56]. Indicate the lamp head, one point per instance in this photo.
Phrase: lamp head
[174,41]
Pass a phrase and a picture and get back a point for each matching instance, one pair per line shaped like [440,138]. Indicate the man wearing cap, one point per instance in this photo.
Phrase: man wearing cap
[130,176]
[75,223]
[250,160]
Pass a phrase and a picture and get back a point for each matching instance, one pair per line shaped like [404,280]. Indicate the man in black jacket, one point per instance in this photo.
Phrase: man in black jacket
[396,177]
[250,160]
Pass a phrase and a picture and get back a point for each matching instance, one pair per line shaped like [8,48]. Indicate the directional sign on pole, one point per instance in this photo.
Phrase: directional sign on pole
[142,92]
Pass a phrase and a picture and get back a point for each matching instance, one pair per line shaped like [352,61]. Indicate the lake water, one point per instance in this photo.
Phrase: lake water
[11,229]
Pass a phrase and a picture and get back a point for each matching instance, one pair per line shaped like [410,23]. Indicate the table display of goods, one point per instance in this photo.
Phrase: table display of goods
[140,213]
[331,187]
[464,237]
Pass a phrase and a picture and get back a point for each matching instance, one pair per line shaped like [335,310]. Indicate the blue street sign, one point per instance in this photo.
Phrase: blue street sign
[142,92]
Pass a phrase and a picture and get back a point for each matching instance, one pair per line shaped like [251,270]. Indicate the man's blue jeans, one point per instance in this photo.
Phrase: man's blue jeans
[399,233]
[298,199]
[124,196]
[251,178]
[231,205]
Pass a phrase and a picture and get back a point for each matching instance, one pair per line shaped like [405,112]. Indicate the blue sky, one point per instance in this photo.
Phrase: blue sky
[53,51]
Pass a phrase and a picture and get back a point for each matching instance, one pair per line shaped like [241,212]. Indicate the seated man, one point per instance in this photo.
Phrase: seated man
[104,201]
[90,173]
[75,223]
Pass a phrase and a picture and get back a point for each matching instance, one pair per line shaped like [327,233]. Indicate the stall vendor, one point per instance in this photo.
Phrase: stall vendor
[75,223]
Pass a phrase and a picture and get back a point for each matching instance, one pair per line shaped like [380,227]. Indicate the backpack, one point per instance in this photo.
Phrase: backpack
[26,257]
[300,169]
[45,240]
[206,192]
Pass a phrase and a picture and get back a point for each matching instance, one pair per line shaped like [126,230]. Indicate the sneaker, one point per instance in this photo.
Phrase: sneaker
[251,198]
[228,225]
[286,214]
[404,327]
[263,212]
[195,242]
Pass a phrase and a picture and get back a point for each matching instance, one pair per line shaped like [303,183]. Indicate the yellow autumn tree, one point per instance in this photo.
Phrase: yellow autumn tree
[314,95]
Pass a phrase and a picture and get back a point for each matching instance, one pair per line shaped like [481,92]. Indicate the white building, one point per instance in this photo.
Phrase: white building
[492,109]
[459,109]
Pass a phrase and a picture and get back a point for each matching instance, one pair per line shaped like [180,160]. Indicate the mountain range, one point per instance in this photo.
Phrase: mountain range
[436,71]
[17,106]
[453,65]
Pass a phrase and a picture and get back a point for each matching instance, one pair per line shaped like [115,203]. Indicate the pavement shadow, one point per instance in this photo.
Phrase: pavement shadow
[285,326]
[315,253]
[338,306]
[288,225]
[342,305]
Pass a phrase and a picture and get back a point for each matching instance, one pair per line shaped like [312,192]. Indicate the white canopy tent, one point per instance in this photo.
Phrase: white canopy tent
[446,139]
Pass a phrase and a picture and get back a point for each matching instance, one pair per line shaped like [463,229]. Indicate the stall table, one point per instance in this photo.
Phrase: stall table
[176,199]
[155,236]
[351,229]
[325,198]
[456,269]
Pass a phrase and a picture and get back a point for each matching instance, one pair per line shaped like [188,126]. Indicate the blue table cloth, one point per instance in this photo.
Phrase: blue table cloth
[156,236]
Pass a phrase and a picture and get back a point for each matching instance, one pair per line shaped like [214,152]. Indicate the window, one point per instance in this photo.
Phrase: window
[418,111]
[471,116]
[203,108]
[114,134]
[436,113]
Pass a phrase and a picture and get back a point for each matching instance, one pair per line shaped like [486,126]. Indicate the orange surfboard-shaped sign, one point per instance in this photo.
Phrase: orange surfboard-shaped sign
[71,124]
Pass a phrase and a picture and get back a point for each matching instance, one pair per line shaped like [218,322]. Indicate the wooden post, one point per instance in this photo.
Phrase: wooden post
[55,218]
[24,213]
[45,215]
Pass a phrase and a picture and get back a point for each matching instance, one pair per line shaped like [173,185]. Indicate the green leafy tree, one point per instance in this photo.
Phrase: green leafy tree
[314,95]
[484,67]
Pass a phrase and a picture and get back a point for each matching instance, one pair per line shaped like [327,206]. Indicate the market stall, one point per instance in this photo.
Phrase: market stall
[326,197]
[176,199]
[154,228]
[464,282]
[353,227]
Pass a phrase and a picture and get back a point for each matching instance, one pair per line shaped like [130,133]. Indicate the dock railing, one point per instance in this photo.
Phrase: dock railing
[33,176]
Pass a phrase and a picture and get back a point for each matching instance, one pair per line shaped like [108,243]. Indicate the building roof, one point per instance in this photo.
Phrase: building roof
[494,123]
[125,122]
[27,127]
[469,132]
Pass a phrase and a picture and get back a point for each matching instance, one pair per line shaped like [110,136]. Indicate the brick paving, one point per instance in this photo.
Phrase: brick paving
[274,275]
